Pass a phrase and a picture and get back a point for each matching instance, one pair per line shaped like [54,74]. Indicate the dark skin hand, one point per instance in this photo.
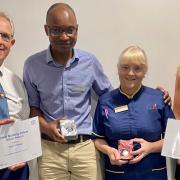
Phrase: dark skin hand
[166,97]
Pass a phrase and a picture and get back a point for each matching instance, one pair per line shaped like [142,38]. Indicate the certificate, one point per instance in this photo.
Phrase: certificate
[19,142]
[171,145]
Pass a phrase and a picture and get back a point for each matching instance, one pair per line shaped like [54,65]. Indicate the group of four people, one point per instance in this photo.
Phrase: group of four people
[59,83]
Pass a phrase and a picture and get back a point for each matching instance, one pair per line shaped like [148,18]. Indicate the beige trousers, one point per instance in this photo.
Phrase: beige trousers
[79,161]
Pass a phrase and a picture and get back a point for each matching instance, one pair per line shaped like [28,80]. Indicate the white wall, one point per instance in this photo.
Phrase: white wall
[105,29]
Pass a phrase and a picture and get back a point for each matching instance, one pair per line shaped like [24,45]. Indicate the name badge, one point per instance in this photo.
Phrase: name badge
[121,108]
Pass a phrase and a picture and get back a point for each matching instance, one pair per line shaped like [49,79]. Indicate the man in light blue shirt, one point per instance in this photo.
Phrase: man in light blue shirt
[59,82]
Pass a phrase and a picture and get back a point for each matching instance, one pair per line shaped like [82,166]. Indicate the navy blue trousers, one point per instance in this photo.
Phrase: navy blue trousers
[154,175]
[20,174]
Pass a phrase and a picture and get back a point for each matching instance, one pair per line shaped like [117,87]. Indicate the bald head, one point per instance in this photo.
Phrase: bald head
[59,8]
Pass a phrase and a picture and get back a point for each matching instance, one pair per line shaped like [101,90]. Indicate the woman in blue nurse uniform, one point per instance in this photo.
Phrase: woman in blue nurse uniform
[132,112]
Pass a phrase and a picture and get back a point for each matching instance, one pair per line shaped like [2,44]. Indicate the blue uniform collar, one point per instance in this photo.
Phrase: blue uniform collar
[132,96]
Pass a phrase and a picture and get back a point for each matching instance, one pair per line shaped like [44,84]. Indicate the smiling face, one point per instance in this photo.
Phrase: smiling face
[6,39]
[132,68]
[62,29]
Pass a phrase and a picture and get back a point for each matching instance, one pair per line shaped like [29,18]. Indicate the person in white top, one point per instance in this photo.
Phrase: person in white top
[15,94]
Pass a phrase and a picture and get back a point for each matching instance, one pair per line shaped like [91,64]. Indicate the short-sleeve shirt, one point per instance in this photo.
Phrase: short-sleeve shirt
[144,116]
[65,91]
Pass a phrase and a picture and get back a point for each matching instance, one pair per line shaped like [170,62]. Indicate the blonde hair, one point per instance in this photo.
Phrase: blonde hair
[5,16]
[135,54]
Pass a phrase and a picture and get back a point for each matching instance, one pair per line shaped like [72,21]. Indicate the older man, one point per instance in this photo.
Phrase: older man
[13,97]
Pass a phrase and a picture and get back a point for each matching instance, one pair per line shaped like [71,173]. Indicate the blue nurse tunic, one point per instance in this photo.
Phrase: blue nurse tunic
[142,116]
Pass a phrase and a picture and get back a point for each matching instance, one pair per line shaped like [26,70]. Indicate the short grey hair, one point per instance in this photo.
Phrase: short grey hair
[8,18]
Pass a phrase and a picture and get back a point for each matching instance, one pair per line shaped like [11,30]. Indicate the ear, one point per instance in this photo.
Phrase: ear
[13,42]
[46,29]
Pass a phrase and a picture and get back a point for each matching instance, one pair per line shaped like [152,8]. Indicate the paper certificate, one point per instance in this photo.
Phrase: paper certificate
[19,142]
[171,145]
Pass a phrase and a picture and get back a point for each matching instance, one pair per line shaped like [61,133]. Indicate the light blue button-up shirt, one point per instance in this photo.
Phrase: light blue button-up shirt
[65,91]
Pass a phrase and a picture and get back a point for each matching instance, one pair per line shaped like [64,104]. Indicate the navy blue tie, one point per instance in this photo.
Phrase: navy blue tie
[4,111]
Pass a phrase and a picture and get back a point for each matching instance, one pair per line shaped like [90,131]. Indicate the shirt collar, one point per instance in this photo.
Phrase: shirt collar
[132,96]
[50,59]
[1,70]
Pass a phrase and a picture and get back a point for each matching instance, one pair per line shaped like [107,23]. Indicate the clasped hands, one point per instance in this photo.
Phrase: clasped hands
[144,150]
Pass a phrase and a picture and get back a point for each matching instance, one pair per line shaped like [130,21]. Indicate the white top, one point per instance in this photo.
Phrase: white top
[15,93]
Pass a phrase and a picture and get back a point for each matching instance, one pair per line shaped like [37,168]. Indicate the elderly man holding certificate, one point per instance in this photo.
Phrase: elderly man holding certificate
[13,98]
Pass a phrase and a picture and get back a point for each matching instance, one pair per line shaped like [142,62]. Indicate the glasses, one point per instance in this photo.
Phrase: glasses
[6,37]
[58,31]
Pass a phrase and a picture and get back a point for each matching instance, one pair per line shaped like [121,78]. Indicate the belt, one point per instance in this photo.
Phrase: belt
[81,138]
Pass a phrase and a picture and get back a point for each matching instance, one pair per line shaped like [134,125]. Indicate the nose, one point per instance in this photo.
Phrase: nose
[131,72]
[64,36]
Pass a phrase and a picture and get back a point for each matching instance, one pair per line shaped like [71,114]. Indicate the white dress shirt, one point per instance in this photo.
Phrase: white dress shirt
[15,93]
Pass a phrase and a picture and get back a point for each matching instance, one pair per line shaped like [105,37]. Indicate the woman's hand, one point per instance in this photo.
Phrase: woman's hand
[114,157]
[146,148]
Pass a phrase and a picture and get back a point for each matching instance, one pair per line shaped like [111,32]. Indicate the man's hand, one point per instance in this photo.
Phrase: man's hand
[6,121]
[53,131]
[17,166]
[166,97]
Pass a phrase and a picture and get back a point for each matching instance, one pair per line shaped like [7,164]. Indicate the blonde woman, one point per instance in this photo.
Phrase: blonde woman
[132,112]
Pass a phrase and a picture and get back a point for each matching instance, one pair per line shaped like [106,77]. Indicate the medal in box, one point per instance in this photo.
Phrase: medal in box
[68,129]
[125,147]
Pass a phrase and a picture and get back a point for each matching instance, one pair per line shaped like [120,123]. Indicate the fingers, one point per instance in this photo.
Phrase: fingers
[6,121]
[53,132]
[17,166]
[114,157]
[57,136]
[166,97]
[138,140]
[138,158]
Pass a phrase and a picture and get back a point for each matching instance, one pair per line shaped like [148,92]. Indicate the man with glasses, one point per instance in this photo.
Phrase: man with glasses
[13,97]
[59,81]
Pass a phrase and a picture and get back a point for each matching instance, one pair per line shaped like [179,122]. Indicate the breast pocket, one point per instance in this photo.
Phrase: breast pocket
[15,103]
[77,90]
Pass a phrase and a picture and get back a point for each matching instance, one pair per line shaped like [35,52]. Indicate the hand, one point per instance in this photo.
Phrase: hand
[17,166]
[6,121]
[114,157]
[178,161]
[139,154]
[53,132]
[166,97]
